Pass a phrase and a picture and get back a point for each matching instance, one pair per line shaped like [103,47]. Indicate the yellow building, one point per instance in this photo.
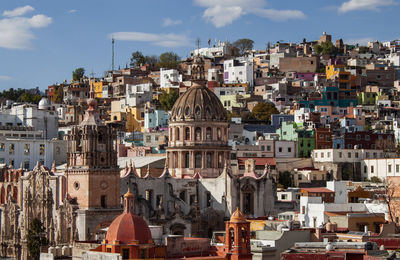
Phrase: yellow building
[231,101]
[97,87]
[134,119]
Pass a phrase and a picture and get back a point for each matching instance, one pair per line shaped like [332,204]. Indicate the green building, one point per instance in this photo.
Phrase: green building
[290,131]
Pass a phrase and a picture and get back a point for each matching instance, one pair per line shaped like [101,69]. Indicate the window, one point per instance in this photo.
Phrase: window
[209,161]
[2,147]
[27,149]
[208,198]
[365,168]
[198,134]
[303,210]
[397,168]
[283,196]
[372,169]
[198,160]
[26,164]
[103,201]
[389,168]
[280,149]
[289,149]
[187,133]
[11,162]
[322,155]
[187,160]
[149,197]
[329,155]
[314,177]
[299,176]
[125,253]
[11,148]
[208,133]
[367,155]
[349,155]
[340,154]
[148,138]
[356,155]
[367,138]
[182,195]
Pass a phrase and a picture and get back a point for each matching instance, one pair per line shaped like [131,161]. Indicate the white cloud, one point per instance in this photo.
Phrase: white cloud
[18,11]
[72,11]
[5,77]
[164,40]
[356,5]
[16,32]
[168,22]
[360,41]
[224,12]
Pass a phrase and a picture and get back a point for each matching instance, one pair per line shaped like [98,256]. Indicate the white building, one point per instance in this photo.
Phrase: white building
[222,91]
[238,71]
[27,152]
[218,50]
[170,78]
[380,168]
[42,118]
[138,94]
[290,194]
[155,118]
[344,155]
[285,149]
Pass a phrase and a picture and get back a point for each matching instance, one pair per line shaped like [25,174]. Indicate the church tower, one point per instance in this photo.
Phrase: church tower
[237,238]
[92,173]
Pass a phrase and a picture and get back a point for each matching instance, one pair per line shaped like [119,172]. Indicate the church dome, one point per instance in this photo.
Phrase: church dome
[238,217]
[200,104]
[127,228]
[44,103]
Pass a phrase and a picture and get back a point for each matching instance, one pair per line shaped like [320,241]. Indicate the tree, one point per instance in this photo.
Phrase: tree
[58,94]
[167,100]
[375,179]
[325,48]
[285,179]
[78,73]
[243,45]
[168,60]
[263,111]
[30,98]
[36,238]
[137,59]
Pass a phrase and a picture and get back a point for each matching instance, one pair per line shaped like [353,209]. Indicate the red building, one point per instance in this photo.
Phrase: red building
[368,140]
[323,138]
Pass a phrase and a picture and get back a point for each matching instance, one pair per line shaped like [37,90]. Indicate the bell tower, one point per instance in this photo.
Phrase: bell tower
[237,238]
[92,171]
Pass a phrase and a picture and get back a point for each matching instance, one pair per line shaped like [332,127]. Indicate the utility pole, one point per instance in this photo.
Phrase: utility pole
[112,42]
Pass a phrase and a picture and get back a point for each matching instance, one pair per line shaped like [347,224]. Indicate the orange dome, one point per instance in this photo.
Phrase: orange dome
[127,228]
[238,216]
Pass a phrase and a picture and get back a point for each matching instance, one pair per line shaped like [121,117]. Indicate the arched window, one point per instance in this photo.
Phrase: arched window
[219,134]
[198,160]
[187,133]
[209,160]
[187,160]
[177,134]
[198,134]
[209,133]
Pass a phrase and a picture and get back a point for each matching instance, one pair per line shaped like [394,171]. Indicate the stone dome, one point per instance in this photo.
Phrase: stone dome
[44,103]
[127,228]
[200,104]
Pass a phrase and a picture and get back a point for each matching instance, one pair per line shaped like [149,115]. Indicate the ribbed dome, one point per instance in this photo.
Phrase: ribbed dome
[198,103]
[238,217]
[127,228]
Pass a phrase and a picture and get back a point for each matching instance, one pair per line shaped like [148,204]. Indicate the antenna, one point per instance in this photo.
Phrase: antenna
[112,42]
[198,45]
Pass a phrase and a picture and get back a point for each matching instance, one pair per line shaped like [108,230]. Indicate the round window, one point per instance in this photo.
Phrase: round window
[76,185]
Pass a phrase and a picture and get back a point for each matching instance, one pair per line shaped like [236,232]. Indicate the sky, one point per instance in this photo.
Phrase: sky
[43,41]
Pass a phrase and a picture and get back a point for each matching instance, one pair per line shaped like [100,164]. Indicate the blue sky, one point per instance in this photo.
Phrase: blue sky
[42,41]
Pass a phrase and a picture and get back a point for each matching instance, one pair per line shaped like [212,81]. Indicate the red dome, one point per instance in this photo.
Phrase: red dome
[128,228]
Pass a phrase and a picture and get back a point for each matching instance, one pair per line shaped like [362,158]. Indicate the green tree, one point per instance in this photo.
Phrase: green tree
[30,98]
[325,48]
[58,94]
[168,60]
[285,179]
[167,100]
[36,238]
[137,59]
[263,111]
[78,73]
[243,45]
